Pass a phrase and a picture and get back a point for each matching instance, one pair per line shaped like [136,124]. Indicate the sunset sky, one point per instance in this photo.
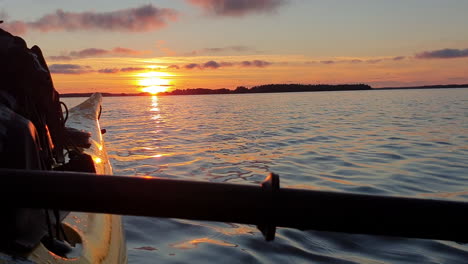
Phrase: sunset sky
[130,45]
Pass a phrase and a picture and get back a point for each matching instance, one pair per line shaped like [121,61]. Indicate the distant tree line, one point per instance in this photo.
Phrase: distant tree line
[282,88]
[439,86]
[272,88]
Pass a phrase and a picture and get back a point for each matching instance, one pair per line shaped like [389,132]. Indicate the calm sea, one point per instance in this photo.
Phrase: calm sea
[403,142]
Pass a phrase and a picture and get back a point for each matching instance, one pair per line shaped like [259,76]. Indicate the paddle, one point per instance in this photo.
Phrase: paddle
[267,206]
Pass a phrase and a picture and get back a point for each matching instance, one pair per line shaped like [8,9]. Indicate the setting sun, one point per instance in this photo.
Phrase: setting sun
[154,89]
[153,82]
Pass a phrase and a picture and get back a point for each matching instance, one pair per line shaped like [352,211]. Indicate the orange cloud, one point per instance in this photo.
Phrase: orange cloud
[161,45]
[127,51]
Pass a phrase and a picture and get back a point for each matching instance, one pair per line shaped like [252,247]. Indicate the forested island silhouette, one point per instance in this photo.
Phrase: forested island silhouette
[266,88]
[272,88]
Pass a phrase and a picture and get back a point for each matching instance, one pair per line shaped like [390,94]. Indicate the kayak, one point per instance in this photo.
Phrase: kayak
[95,238]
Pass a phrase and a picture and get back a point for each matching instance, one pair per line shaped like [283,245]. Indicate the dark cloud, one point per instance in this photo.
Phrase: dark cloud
[216,65]
[69,69]
[255,63]
[108,70]
[443,54]
[78,69]
[226,64]
[399,58]
[211,65]
[238,7]
[173,67]
[132,69]
[214,50]
[260,63]
[356,61]
[246,63]
[192,66]
[91,52]
[352,61]
[61,58]
[221,50]
[141,19]
[94,52]
[374,61]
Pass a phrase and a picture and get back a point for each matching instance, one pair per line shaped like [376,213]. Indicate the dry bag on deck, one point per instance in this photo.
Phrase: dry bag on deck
[31,135]
[24,75]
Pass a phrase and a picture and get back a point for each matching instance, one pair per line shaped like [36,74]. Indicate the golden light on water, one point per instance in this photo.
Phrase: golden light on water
[154,82]
[204,240]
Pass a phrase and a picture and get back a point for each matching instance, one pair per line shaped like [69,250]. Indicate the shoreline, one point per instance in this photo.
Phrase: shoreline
[330,88]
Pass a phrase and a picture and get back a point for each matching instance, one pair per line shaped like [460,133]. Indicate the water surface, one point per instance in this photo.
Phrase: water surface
[403,143]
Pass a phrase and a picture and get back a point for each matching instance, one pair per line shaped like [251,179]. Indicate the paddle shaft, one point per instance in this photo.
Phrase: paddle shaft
[294,208]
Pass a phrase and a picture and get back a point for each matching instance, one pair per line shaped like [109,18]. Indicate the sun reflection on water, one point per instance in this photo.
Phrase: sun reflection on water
[155,108]
[154,104]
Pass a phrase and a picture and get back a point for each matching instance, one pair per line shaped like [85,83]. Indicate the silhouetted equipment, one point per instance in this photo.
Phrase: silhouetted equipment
[268,206]
[32,137]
